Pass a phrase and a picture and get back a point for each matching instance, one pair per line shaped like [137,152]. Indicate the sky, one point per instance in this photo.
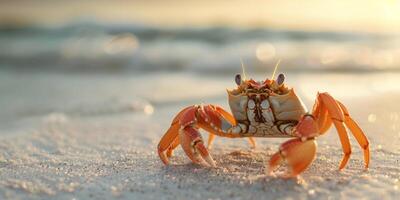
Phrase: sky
[318,15]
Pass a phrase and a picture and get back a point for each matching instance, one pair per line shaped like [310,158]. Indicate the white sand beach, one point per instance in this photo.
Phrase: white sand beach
[94,137]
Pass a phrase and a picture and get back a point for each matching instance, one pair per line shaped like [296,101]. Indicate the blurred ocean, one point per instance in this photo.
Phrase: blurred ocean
[93,47]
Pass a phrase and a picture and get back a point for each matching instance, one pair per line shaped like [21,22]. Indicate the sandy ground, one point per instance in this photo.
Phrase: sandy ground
[113,155]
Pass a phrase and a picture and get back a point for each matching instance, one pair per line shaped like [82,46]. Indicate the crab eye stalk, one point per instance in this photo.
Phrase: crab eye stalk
[238,79]
[280,79]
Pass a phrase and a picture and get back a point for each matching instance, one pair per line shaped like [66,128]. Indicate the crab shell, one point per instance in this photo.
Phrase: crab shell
[263,113]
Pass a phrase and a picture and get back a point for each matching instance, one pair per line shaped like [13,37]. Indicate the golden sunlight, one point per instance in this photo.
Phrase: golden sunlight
[352,15]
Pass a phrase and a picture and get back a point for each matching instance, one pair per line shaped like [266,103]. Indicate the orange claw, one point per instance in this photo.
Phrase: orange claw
[184,132]
[171,148]
[290,152]
[170,139]
[300,152]
[165,142]
[307,127]
[193,146]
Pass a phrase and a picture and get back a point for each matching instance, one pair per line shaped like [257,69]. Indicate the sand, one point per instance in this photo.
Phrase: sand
[97,148]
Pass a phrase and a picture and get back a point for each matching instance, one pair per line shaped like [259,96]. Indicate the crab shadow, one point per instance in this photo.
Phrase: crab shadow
[237,168]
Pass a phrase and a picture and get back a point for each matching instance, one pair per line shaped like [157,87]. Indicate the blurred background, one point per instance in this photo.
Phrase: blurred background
[202,36]
[78,59]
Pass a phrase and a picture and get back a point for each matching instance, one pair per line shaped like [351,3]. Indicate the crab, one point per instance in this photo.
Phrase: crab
[266,109]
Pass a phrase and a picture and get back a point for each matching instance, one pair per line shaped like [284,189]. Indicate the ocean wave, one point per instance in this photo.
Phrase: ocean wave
[120,48]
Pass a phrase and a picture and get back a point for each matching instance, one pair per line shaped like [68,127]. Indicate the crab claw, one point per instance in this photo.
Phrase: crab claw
[307,127]
[193,145]
[297,153]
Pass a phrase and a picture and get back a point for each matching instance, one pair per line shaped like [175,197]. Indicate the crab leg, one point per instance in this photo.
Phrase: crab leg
[219,122]
[321,114]
[344,139]
[337,116]
[216,121]
[357,133]
[211,138]
[252,142]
